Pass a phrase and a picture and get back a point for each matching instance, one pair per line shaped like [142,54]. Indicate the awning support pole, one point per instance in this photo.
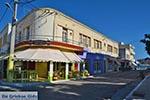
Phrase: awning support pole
[10,68]
[51,71]
[78,67]
[83,70]
[67,71]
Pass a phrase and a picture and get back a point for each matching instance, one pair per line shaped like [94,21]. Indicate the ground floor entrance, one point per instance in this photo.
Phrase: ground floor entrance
[41,69]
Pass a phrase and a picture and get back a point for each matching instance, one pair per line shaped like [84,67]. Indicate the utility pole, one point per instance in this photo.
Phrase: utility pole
[10,65]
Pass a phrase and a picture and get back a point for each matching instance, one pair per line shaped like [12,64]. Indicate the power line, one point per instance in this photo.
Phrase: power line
[27,2]
[33,6]
[3,15]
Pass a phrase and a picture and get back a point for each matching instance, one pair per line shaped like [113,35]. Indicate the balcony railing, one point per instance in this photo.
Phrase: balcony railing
[50,38]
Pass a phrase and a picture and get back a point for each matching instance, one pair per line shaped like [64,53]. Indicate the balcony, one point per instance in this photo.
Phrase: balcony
[132,52]
[49,40]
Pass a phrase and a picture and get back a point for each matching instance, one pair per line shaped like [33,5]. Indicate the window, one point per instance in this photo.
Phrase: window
[104,44]
[100,43]
[0,42]
[109,48]
[85,40]
[89,41]
[19,37]
[97,44]
[28,33]
[5,39]
[64,35]
[80,38]
[115,50]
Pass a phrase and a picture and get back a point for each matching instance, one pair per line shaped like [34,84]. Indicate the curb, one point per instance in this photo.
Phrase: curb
[24,84]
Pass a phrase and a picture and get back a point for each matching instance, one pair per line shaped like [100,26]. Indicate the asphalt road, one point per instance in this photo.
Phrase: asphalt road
[95,88]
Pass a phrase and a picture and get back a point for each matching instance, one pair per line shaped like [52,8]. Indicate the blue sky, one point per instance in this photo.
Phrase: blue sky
[121,20]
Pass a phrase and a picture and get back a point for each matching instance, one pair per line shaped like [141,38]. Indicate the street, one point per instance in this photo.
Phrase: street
[99,87]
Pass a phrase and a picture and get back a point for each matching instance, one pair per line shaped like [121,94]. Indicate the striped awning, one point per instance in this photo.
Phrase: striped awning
[4,57]
[73,57]
[41,55]
[114,59]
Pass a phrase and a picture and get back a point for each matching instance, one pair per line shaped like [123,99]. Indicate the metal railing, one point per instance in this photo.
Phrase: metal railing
[50,38]
[24,75]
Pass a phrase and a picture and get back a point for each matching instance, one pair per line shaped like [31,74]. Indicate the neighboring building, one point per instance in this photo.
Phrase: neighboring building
[126,56]
[49,42]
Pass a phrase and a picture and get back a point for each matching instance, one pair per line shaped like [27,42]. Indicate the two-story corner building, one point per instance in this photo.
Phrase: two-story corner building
[126,55]
[49,43]
[4,49]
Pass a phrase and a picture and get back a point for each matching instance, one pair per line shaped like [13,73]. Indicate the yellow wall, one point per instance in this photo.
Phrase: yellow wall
[41,69]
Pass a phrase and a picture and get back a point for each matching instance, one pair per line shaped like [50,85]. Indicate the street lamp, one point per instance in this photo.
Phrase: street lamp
[12,41]
[8,5]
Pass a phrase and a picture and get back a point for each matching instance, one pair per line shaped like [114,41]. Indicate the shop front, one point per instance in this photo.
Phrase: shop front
[43,64]
[112,64]
[95,63]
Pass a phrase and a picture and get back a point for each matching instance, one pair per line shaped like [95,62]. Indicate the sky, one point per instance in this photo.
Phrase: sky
[121,20]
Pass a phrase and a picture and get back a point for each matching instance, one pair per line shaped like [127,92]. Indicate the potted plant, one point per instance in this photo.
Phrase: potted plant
[86,73]
[55,76]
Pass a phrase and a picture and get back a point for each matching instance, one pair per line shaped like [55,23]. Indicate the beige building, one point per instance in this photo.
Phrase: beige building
[49,24]
[126,55]
[126,52]
[48,41]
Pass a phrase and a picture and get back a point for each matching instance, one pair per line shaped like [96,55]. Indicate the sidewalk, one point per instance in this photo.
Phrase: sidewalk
[142,91]
[26,84]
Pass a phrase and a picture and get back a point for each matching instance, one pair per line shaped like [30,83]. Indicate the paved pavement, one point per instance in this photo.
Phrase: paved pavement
[95,88]
[142,91]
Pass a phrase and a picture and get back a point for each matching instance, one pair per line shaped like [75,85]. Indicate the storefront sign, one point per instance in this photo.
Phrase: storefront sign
[39,42]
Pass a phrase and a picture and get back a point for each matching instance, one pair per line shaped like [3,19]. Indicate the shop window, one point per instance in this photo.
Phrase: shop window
[97,66]
[87,64]
[110,65]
